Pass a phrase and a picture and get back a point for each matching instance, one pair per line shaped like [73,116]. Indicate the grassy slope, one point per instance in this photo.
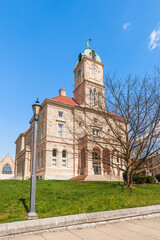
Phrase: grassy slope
[57,198]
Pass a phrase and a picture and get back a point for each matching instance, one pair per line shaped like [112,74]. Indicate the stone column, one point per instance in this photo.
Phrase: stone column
[102,169]
[90,165]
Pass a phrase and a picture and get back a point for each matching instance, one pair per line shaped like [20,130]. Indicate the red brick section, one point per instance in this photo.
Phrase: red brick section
[25,132]
[65,99]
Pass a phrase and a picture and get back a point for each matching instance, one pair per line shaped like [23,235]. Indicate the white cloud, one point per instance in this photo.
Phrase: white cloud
[154,39]
[126,25]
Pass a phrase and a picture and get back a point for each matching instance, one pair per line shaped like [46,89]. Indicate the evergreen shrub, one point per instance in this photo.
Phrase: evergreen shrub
[140,180]
[158,177]
[150,179]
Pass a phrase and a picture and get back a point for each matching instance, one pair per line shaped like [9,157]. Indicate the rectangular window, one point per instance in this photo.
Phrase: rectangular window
[60,130]
[38,160]
[64,163]
[60,114]
[120,137]
[98,98]
[42,159]
[54,158]
[95,120]
[90,97]
[54,162]
[94,97]
[37,136]
[42,132]
[79,72]
[64,159]
[95,132]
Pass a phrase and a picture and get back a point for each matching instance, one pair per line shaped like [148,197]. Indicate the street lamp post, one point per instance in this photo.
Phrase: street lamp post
[31,214]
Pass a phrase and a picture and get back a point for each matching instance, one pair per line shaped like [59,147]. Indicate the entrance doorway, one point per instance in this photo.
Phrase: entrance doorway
[96,168]
[96,164]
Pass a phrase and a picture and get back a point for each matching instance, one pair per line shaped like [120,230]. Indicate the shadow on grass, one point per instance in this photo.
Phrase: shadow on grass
[119,184]
[24,204]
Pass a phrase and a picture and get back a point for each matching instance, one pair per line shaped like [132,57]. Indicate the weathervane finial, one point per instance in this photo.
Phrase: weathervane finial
[88,42]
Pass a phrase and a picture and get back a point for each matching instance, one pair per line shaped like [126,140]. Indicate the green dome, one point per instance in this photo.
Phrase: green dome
[90,53]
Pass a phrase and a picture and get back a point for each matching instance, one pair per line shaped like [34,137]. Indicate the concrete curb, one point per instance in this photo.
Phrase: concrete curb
[76,221]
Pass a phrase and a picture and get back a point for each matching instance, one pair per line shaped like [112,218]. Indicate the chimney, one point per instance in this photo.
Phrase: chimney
[62,92]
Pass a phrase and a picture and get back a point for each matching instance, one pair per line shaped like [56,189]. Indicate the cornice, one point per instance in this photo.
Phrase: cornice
[90,59]
[23,134]
[60,120]
[87,81]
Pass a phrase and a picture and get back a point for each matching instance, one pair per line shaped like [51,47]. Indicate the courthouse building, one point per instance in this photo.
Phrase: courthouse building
[69,130]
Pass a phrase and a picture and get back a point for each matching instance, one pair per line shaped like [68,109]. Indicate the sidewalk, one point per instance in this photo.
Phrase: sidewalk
[129,230]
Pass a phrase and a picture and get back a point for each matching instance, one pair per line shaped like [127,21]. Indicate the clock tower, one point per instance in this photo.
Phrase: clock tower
[88,79]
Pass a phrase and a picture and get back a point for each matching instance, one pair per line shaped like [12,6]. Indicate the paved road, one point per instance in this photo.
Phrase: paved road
[138,230]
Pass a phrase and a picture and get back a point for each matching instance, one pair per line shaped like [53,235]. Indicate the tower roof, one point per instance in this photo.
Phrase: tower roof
[90,53]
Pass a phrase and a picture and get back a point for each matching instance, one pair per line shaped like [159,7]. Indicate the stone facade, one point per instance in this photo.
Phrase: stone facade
[66,146]
[7,167]
[152,167]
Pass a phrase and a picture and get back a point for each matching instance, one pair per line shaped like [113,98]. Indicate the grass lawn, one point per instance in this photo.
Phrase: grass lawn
[57,198]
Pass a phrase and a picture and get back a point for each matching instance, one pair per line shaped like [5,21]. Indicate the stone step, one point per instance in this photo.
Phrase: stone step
[97,178]
[103,178]
[79,178]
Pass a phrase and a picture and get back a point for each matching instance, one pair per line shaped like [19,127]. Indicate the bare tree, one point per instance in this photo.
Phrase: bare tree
[137,102]
[128,123]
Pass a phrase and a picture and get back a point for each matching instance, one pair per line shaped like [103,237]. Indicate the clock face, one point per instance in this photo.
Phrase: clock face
[94,69]
[79,72]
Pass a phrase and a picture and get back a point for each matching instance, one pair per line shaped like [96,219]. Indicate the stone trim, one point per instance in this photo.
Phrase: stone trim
[76,221]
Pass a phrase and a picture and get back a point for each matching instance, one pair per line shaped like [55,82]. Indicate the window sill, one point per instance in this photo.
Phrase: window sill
[60,120]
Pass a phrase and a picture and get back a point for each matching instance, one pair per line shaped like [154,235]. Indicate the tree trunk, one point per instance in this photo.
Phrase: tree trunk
[129,178]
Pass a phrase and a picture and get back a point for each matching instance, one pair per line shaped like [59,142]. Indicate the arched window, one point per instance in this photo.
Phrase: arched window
[37,136]
[54,158]
[7,169]
[118,165]
[98,98]
[106,161]
[116,162]
[42,132]
[42,159]
[94,97]
[83,158]
[64,158]
[90,97]
[38,160]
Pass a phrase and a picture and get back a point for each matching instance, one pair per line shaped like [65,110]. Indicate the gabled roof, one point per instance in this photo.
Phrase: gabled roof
[65,99]
[2,159]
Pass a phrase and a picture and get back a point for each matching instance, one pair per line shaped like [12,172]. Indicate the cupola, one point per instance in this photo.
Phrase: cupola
[90,53]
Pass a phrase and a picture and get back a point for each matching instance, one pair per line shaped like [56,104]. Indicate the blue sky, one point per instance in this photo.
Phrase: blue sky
[41,40]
